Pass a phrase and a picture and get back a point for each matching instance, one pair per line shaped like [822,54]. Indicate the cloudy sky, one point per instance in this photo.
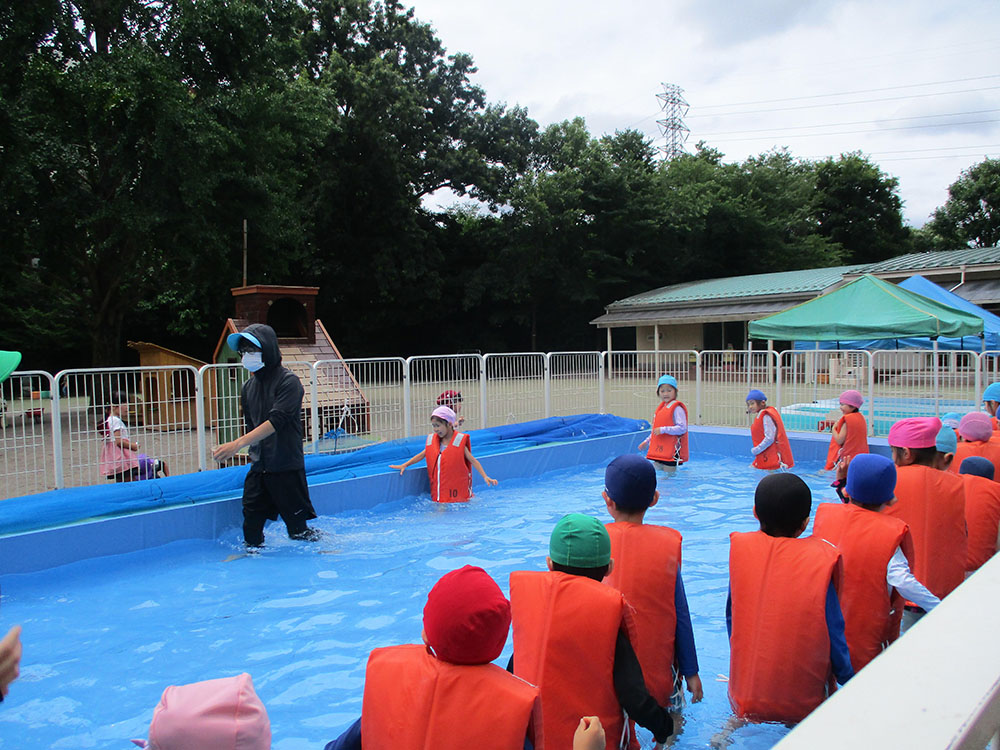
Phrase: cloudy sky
[915,85]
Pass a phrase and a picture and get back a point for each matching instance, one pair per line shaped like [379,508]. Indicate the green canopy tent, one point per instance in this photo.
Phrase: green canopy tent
[868,308]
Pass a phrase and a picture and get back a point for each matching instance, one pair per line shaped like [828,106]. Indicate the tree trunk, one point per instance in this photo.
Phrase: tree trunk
[105,338]
[534,326]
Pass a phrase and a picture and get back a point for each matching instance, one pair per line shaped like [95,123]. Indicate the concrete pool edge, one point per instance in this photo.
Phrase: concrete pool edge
[49,548]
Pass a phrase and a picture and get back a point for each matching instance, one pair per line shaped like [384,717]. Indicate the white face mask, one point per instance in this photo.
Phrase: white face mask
[253,361]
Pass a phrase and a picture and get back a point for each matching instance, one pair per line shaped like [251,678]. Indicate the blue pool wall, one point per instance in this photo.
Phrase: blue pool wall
[49,548]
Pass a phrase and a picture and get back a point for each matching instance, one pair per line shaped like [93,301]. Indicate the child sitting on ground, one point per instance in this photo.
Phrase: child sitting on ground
[771,449]
[668,441]
[573,637]
[647,571]
[876,549]
[786,628]
[210,715]
[449,460]
[932,503]
[446,694]
[850,432]
[982,510]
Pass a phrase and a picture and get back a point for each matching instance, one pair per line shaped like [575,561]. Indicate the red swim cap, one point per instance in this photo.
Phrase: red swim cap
[467,617]
[449,397]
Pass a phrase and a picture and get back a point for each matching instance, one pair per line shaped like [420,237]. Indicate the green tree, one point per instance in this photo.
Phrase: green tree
[137,136]
[857,205]
[971,215]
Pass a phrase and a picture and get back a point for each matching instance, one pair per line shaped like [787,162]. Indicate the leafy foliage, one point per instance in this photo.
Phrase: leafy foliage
[971,215]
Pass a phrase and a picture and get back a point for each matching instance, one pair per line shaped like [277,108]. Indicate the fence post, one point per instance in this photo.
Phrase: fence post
[314,406]
[977,383]
[407,419]
[547,371]
[780,356]
[697,387]
[199,418]
[57,451]
[601,404]
[871,393]
[483,411]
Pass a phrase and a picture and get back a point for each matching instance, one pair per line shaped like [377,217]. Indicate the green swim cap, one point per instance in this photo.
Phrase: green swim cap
[580,541]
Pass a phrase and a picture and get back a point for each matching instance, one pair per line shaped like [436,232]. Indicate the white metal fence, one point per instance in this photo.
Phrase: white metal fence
[52,428]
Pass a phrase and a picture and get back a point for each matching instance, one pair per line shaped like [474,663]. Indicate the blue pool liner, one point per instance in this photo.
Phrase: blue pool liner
[57,507]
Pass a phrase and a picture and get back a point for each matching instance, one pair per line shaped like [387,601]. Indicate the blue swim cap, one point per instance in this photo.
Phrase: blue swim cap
[951,419]
[992,392]
[756,395]
[667,380]
[946,442]
[977,465]
[871,479]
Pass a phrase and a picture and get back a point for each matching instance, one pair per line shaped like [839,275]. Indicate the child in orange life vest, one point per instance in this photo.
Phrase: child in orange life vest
[771,449]
[876,549]
[982,510]
[448,467]
[786,627]
[991,400]
[573,637]
[850,433]
[208,715]
[446,694]
[932,503]
[453,400]
[945,443]
[668,441]
[976,439]
[648,573]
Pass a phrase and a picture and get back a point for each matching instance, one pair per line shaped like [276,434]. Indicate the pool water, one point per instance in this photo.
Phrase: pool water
[103,637]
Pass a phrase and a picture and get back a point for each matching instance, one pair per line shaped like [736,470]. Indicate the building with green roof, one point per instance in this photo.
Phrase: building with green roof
[713,313]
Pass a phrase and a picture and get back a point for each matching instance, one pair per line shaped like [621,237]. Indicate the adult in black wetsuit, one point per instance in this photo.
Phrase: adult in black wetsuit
[272,403]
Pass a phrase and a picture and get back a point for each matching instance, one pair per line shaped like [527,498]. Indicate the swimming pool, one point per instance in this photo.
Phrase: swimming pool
[103,637]
[808,417]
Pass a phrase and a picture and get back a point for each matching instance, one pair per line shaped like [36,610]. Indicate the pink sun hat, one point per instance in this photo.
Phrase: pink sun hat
[223,714]
[915,432]
[852,398]
[446,413]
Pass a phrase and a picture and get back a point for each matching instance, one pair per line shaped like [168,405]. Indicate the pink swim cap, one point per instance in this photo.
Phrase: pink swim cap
[852,398]
[916,432]
[976,426]
[223,714]
[445,413]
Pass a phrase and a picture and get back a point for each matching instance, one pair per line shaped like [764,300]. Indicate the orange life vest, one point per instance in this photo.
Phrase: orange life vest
[982,515]
[855,442]
[777,452]
[779,651]
[415,701]
[646,562]
[449,473]
[867,541]
[932,503]
[667,447]
[565,630]
[989,449]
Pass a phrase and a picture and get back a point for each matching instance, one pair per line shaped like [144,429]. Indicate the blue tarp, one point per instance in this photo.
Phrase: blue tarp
[58,507]
[921,285]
